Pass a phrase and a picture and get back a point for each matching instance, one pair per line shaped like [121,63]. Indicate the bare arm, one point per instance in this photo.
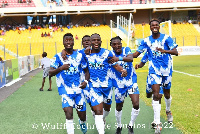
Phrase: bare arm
[140,65]
[128,58]
[87,77]
[136,54]
[172,52]
[120,69]
[54,71]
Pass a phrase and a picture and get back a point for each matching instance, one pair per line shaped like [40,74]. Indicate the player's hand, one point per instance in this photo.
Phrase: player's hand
[64,54]
[124,73]
[88,50]
[160,49]
[112,60]
[65,67]
[137,66]
[83,85]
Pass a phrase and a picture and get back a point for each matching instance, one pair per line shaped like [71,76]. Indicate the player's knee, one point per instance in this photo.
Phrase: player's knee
[118,107]
[148,95]
[156,96]
[68,114]
[98,112]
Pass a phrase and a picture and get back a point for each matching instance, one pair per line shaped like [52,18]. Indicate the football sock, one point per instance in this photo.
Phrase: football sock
[134,115]
[118,115]
[168,103]
[70,126]
[156,108]
[99,123]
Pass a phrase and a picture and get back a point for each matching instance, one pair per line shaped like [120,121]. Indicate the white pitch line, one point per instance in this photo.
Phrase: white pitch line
[186,73]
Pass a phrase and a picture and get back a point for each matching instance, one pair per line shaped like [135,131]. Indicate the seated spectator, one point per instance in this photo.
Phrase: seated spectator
[19,32]
[89,1]
[76,37]
[1,60]
[3,4]
[45,34]
[48,34]
[6,3]
[42,35]
[61,29]
[76,25]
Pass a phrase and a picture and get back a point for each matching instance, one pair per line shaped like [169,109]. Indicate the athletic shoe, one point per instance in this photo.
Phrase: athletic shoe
[153,125]
[119,130]
[49,90]
[158,128]
[83,127]
[130,130]
[41,89]
[169,116]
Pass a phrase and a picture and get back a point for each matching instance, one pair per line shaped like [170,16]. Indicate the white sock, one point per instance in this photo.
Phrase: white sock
[105,113]
[156,108]
[93,113]
[134,115]
[168,103]
[70,126]
[99,123]
[118,115]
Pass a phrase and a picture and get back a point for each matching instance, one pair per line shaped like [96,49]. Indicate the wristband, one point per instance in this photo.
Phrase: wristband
[120,58]
[86,81]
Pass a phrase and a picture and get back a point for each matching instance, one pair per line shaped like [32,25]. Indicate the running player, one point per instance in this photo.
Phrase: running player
[69,85]
[124,85]
[100,83]
[160,47]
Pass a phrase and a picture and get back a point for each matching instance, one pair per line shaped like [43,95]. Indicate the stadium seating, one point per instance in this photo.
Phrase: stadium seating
[15,4]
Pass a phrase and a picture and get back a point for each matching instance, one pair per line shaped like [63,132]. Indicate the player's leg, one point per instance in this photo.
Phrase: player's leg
[134,95]
[107,99]
[86,92]
[168,98]
[119,99]
[81,111]
[97,106]
[156,83]
[67,105]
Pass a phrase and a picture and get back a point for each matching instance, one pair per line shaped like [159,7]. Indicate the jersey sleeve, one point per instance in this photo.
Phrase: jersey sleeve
[171,43]
[83,62]
[111,55]
[144,58]
[128,51]
[55,62]
[142,47]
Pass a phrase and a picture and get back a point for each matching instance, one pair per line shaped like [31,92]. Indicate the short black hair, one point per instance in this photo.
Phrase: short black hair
[85,36]
[95,34]
[114,38]
[44,54]
[154,19]
[67,34]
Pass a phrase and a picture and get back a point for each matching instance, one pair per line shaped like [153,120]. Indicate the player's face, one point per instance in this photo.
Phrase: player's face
[68,42]
[86,42]
[116,45]
[154,27]
[96,41]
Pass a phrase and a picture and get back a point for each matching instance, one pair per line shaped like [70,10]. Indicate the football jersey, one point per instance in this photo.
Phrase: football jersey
[159,63]
[68,81]
[129,80]
[99,68]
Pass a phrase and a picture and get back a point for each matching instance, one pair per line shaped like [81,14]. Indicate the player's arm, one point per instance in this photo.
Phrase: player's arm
[120,69]
[87,77]
[140,65]
[172,52]
[128,58]
[54,71]
[136,54]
